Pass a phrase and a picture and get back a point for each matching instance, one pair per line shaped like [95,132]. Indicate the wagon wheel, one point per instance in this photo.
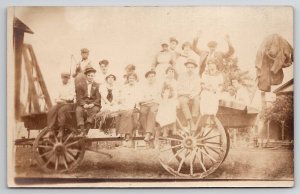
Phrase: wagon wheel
[58,155]
[194,153]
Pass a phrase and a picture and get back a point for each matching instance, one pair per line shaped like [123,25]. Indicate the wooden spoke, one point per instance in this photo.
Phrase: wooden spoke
[207,138]
[65,162]
[67,139]
[182,161]
[181,135]
[56,140]
[208,133]
[45,146]
[216,143]
[193,155]
[214,150]
[46,164]
[171,139]
[175,155]
[73,143]
[200,158]
[56,162]
[48,140]
[218,147]
[46,153]
[70,156]
[209,156]
[172,147]
[197,122]
[181,126]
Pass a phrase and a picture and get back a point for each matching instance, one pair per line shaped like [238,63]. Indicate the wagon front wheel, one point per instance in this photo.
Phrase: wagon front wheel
[57,155]
[194,153]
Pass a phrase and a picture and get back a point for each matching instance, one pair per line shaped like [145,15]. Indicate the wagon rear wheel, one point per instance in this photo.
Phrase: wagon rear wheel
[194,153]
[57,155]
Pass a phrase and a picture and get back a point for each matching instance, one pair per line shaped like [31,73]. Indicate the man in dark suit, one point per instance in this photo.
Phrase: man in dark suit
[88,100]
[212,55]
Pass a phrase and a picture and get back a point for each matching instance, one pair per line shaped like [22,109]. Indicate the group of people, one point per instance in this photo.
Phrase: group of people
[175,80]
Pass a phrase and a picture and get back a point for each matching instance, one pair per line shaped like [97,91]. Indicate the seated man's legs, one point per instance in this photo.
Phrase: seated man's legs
[63,115]
[151,119]
[80,117]
[195,107]
[150,122]
[91,112]
[143,116]
[52,116]
[184,105]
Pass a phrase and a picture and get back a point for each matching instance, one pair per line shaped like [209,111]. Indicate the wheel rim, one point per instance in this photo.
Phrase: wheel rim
[58,154]
[194,153]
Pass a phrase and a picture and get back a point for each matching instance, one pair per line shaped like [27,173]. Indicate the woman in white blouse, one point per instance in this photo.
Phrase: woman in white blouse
[129,97]
[211,83]
[110,94]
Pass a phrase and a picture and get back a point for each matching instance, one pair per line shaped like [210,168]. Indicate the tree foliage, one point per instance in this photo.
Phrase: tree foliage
[231,71]
[281,109]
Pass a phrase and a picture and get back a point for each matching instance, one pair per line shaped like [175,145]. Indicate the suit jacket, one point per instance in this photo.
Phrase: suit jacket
[82,94]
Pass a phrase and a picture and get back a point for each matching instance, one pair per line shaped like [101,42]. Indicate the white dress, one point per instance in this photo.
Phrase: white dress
[166,113]
[209,101]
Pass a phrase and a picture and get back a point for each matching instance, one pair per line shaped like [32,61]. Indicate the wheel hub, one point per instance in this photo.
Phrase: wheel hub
[59,148]
[189,142]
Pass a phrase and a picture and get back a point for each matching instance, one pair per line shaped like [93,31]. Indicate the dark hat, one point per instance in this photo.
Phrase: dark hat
[104,61]
[164,45]
[212,44]
[149,72]
[173,39]
[186,44]
[88,69]
[111,75]
[191,61]
[65,75]
[84,50]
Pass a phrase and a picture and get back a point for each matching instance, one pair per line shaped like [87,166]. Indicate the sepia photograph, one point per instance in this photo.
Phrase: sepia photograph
[184,96]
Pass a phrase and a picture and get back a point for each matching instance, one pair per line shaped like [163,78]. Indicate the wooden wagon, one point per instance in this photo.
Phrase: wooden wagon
[186,152]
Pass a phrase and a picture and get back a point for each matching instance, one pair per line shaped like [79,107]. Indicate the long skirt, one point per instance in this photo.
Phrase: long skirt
[125,122]
[166,113]
[209,103]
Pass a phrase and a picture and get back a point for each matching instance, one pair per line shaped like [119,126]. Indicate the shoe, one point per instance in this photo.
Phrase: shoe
[147,137]
[127,137]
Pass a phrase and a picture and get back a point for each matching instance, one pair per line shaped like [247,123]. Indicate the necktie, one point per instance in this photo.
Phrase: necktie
[109,95]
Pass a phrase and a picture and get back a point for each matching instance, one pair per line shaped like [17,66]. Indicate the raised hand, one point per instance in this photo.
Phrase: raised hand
[199,34]
[227,38]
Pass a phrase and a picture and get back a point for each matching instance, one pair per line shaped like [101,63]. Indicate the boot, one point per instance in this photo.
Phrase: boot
[88,127]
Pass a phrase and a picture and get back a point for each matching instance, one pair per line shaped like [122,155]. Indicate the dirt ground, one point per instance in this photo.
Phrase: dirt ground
[255,163]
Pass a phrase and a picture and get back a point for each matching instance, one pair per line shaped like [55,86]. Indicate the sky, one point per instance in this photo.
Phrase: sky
[134,34]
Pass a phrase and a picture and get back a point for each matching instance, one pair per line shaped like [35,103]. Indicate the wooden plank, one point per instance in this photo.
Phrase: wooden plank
[18,43]
[40,77]
[32,89]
